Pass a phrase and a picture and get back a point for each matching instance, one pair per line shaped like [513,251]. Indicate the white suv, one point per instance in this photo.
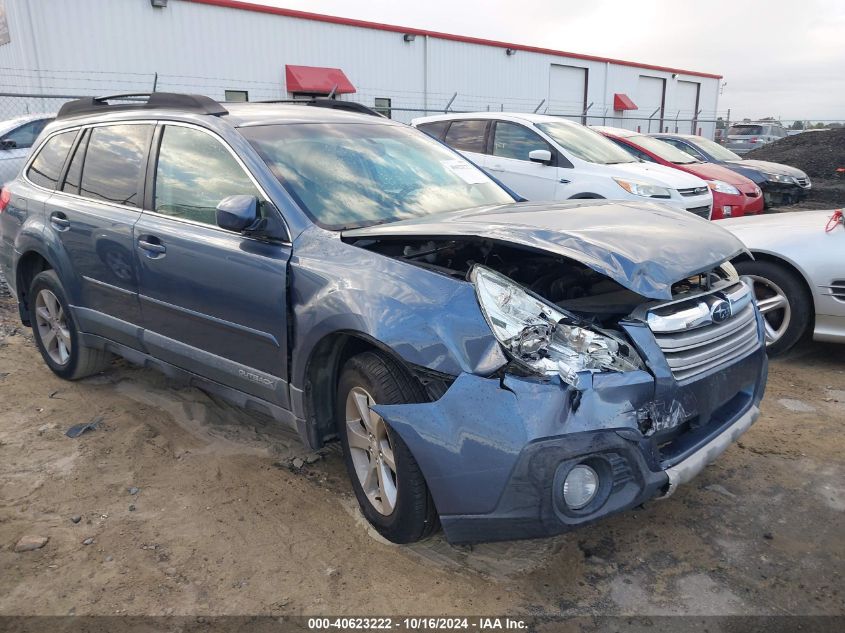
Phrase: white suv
[548,158]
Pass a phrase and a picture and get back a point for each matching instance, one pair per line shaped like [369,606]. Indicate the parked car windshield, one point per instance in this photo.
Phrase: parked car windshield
[586,144]
[350,175]
[719,152]
[745,130]
[662,149]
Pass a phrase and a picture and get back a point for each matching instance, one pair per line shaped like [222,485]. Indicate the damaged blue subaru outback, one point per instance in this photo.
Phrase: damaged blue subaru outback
[504,369]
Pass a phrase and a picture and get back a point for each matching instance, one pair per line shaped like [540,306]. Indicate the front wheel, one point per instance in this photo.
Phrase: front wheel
[783,301]
[387,480]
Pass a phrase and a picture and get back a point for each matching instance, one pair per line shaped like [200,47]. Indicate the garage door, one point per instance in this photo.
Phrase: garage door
[649,98]
[686,106]
[567,90]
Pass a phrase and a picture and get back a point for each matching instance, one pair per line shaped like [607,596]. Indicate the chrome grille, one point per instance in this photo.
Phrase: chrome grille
[707,344]
[702,212]
[692,191]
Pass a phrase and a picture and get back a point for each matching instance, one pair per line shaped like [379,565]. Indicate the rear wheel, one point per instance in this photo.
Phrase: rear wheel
[387,480]
[56,334]
[783,301]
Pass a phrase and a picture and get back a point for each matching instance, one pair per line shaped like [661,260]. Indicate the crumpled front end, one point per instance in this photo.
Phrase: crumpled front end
[496,451]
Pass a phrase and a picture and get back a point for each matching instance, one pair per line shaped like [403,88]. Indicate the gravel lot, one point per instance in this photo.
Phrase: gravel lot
[179,504]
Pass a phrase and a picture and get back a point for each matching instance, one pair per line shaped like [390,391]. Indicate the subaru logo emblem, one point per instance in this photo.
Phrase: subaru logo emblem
[720,311]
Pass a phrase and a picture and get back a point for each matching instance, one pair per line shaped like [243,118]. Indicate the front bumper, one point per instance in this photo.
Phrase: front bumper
[784,193]
[494,450]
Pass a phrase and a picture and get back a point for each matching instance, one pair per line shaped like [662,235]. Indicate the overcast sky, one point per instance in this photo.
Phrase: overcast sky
[783,58]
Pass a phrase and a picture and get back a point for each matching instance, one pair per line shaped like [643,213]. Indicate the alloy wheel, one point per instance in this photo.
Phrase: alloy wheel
[52,327]
[371,451]
[774,306]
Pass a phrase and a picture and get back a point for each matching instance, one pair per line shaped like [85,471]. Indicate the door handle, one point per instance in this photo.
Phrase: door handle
[59,221]
[152,246]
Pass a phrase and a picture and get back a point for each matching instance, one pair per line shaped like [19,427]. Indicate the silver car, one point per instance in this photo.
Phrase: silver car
[16,138]
[743,137]
[798,274]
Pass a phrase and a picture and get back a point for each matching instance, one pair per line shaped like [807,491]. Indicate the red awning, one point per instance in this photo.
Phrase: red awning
[316,80]
[623,102]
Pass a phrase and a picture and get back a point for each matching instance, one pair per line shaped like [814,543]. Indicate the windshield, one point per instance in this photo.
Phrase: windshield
[662,150]
[745,130]
[717,151]
[350,175]
[584,143]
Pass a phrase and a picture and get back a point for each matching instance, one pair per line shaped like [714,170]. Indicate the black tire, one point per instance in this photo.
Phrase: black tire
[793,287]
[83,361]
[414,516]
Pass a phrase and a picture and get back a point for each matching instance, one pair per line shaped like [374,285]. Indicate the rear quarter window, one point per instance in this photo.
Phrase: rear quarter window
[47,166]
[435,128]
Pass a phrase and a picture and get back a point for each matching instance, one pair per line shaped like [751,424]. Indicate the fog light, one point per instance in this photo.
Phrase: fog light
[727,210]
[580,486]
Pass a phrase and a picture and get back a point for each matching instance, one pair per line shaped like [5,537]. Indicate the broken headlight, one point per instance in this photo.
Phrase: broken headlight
[542,337]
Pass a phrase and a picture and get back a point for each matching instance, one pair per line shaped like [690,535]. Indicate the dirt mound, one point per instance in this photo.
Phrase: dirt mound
[817,153]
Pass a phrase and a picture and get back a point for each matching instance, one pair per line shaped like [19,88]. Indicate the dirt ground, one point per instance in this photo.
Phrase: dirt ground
[223,523]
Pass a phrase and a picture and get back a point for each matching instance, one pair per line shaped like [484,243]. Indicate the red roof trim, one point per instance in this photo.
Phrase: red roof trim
[621,102]
[317,80]
[318,17]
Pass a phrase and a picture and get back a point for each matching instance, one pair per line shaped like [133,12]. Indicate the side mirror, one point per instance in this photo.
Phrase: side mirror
[236,213]
[543,156]
[8,144]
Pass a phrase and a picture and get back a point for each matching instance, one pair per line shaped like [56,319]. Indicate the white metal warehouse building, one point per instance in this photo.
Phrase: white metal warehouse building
[236,50]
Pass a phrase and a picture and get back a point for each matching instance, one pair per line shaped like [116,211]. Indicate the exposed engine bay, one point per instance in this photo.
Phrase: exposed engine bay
[564,282]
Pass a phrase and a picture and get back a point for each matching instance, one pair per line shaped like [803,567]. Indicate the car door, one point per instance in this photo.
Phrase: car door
[92,215]
[509,161]
[15,145]
[213,302]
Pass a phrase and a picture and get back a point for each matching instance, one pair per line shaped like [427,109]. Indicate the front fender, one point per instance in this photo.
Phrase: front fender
[427,319]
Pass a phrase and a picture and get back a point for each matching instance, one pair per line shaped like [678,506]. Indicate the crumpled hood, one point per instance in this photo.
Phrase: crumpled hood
[772,168]
[645,246]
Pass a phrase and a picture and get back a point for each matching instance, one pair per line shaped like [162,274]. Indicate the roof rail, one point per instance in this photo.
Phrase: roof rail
[199,104]
[334,104]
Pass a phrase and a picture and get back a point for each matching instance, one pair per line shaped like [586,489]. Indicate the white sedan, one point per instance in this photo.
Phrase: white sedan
[798,272]
[16,138]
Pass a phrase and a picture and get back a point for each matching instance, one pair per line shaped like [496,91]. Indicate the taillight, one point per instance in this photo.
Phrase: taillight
[5,198]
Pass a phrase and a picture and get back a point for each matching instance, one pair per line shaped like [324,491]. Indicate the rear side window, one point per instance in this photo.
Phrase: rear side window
[25,135]
[194,173]
[114,163]
[47,166]
[467,136]
[512,140]
[435,128]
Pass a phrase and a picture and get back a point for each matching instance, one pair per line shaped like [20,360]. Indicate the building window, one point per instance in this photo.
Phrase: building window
[237,95]
[382,106]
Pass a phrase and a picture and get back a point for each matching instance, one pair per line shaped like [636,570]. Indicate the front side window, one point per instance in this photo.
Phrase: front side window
[24,136]
[586,144]
[719,152]
[467,136]
[114,163]
[47,166]
[194,173]
[347,175]
[512,140]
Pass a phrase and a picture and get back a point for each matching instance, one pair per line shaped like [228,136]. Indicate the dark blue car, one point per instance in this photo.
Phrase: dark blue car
[507,370]
[781,184]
